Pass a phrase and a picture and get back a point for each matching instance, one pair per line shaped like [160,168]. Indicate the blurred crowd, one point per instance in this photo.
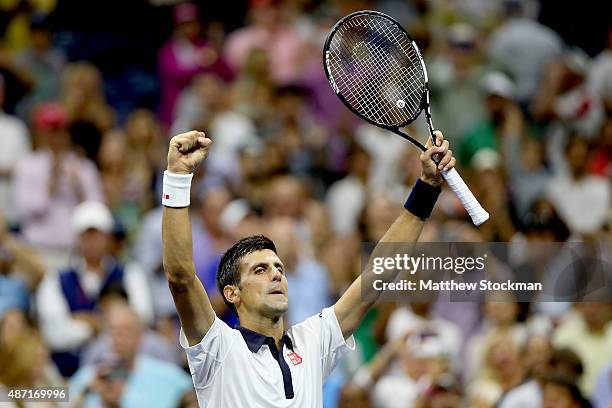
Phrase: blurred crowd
[91,92]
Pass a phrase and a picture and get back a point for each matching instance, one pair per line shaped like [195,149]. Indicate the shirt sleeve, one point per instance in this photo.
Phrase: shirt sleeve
[331,341]
[206,357]
[139,292]
[61,331]
[31,189]
[334,346]
[90,182]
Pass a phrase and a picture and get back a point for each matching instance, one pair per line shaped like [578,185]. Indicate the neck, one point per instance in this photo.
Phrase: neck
[268,326]
[94,264]
[511,379]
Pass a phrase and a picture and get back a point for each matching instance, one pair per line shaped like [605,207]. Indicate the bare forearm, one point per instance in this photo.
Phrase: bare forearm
[29,261]
[177,244]
[354,304]
[190,298]
[405,230]
[185,152]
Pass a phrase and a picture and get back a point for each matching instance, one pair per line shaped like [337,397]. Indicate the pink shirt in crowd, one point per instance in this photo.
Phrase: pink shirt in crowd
[46,219]
[284,48]
[179,61]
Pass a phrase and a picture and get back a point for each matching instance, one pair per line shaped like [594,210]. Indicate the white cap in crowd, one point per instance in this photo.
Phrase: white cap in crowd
[92,215]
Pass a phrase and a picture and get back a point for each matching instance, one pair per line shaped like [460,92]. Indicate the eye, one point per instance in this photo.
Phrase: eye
[280,268]
[259,270]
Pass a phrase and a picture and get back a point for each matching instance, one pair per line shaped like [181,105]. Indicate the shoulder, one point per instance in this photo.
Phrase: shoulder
[81,378]
[13,128]
[524,395]
[85,163]
[133,268]
[219,338]
[311,328]
[154,366]
[33,158]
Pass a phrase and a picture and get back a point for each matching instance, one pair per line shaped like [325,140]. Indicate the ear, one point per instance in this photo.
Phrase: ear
[232,294]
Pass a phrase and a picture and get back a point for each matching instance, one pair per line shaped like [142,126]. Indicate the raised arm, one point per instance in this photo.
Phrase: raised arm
[353,305]
[185,153]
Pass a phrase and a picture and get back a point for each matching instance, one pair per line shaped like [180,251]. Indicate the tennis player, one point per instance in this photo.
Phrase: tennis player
[259,364]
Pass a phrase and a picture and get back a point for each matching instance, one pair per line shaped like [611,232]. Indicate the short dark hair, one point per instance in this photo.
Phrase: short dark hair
[569,359]
[568,383]
[228,272]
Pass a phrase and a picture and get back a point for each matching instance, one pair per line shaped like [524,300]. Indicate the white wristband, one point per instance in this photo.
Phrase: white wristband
[176,189]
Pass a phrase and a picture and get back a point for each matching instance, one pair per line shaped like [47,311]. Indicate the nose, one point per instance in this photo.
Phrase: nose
[276,274]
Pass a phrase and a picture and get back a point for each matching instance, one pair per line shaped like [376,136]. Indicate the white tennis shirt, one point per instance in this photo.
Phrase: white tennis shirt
[238,368]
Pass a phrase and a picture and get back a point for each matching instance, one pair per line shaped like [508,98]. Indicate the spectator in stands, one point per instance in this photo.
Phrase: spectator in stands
[151,342]
[445,391]
[70,303]
[15,144]
[128,377]
[487,133]
[347,197]
[503,369]
[270,31]
[529,393]
[89,115]
[524,159]
[21,271]
[253,82]
[26,365]
[582,200]
[564,96]
[500,320]
[418,318]
[455,72]
[589,333]
[51,181]
[562,392]
[130,163]
[43,62]
[422,362]
[602,395]
[522,46]
[184,56]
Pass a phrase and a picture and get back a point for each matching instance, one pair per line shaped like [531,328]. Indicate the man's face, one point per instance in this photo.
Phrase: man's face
[124,330]
[94,244]
[556,396]
[263,285]
[57,139]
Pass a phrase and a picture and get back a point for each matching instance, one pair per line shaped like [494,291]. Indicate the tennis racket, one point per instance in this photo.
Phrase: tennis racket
[377,71]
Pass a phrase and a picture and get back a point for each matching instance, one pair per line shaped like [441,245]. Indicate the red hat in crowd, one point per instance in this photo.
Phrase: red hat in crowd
[49,116]
[185,13]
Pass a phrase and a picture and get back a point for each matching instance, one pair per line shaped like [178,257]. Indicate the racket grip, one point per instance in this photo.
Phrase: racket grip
[472,206]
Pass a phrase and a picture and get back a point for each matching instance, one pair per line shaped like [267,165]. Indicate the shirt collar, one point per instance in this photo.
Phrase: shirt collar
[255,340]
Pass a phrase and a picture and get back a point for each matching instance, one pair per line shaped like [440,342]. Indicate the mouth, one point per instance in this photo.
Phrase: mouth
[276,292]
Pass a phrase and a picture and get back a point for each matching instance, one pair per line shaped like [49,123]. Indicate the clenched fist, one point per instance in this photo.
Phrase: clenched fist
[431,169]
[187,151]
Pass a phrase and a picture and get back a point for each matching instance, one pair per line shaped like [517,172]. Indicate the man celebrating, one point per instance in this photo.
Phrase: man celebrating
[258,364]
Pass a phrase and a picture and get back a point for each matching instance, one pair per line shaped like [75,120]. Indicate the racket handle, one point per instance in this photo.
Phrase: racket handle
[472,206]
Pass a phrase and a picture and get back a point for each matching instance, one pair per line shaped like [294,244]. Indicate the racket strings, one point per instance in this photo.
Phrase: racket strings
[413,62]
[361,94]
[377,70]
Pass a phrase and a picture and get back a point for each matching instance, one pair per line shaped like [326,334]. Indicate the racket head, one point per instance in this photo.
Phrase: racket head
[376,69]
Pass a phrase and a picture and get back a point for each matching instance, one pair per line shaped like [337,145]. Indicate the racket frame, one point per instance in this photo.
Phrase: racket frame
[424,104]
[474,209]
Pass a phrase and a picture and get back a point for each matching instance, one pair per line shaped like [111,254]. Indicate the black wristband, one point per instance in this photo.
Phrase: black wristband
[422,199]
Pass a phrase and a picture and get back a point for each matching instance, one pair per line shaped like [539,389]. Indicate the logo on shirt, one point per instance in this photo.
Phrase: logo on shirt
[295,358]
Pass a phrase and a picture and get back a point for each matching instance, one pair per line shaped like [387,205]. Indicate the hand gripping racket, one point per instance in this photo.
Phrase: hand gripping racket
[377,71]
